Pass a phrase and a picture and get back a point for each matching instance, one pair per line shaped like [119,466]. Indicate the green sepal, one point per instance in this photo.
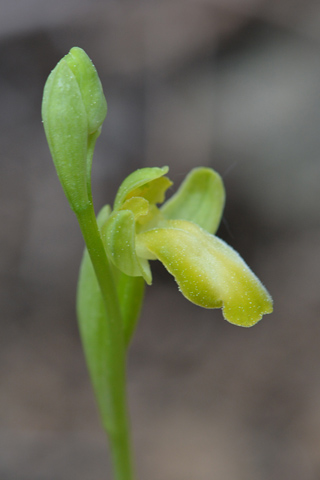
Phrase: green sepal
[118,235]
[139,178]
[200,199]
[209,272]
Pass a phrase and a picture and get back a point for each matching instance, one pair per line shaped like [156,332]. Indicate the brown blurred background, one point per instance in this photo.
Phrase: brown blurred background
[231,84]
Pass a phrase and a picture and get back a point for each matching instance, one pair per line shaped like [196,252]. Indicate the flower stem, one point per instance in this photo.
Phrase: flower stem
[113,406]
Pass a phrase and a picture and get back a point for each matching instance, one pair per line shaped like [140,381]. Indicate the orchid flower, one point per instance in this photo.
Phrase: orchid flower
[180,234]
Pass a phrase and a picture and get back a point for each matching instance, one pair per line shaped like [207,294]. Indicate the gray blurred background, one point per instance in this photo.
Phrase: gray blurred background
[231,84]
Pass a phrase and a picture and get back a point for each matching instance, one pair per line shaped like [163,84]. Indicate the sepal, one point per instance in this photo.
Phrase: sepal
[119,235]
[200,199]
[141,183]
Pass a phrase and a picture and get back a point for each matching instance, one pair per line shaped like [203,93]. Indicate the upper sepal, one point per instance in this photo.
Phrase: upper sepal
[146,183]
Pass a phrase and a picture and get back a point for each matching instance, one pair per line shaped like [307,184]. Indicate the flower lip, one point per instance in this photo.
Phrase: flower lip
[208,271]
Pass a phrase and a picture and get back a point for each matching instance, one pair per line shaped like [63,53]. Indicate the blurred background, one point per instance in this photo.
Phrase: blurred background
[230,84]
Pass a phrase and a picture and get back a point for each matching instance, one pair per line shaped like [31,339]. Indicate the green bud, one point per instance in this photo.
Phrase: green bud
[73,111]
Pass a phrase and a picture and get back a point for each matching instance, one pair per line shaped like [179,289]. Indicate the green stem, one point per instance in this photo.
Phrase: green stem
[90,150]
[116,423]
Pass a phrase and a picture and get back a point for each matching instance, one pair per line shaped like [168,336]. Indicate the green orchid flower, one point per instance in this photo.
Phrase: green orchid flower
[180,234]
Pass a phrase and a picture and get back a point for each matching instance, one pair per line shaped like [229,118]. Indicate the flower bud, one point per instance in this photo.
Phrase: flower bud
[73,110]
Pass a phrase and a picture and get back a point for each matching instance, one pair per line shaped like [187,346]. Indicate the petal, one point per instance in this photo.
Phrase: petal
[136,180]
[209,272]
[200,199]
[118,235]
[137,205]
[153,191]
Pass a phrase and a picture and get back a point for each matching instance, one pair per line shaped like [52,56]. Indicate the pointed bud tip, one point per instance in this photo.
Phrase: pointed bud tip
[90,86]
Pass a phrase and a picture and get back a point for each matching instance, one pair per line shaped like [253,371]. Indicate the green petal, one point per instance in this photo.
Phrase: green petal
[153,191]
[136,180]
[200,199]
[209,272]
[137,205]
[147,216]
[118,235]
